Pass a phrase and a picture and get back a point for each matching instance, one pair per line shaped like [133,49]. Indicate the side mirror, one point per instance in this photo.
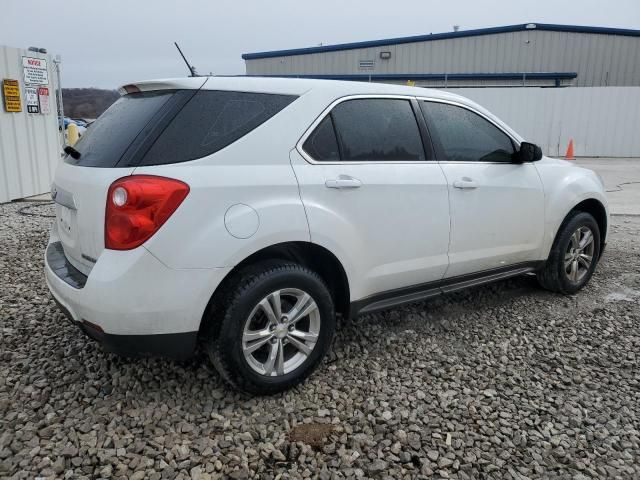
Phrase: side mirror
[529,152]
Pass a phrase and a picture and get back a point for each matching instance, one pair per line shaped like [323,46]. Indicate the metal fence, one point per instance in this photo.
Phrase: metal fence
[602,121]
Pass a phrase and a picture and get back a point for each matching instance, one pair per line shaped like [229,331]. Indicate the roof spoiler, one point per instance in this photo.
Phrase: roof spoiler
[192,83]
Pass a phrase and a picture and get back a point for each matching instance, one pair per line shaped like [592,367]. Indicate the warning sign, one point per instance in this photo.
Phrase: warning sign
[31,97]
[11,93]
[35,71]
[43,99]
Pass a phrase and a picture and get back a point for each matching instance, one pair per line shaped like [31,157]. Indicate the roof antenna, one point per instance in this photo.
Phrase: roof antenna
[191,68]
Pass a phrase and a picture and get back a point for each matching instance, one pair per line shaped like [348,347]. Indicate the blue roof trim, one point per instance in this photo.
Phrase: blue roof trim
[436,76]
[443,36]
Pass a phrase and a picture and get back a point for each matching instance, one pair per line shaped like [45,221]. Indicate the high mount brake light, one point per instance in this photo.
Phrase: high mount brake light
[137,206]
[131,89]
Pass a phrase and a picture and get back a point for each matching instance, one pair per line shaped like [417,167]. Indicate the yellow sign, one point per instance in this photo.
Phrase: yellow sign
[11,91]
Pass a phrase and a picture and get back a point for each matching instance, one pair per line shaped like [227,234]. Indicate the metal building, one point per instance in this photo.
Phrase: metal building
[30,140]
[531,54]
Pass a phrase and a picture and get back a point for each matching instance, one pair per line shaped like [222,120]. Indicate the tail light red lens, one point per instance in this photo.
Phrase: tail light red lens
[137,206]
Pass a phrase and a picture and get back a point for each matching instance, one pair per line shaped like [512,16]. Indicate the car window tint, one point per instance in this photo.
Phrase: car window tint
[377,130]
[322,144]
[211,121]
[465,136]
[107,139]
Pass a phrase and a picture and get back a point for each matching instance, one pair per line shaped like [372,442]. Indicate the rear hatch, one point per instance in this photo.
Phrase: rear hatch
[155,123]
[109,149]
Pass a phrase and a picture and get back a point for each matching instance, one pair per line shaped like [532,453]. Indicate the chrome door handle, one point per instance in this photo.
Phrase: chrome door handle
[343,181]
[465,183]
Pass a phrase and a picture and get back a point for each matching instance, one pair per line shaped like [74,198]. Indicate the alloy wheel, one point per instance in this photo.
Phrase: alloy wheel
[281,332]
[579,254]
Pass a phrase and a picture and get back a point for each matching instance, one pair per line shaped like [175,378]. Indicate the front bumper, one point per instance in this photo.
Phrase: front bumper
[131,302]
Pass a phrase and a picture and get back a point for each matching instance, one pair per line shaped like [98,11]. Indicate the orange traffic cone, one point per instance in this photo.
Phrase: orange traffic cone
[569,154]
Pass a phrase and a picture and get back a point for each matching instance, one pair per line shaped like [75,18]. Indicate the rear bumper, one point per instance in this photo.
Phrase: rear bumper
[131,303]
[178,346]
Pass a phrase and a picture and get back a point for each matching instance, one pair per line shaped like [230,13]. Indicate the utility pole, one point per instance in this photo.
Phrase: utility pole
[58,63]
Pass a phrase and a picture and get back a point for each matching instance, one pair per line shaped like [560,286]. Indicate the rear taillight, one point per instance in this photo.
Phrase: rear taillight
[137,206]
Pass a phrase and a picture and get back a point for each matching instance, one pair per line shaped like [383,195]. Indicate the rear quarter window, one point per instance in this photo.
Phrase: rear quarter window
[210,121]
[322,144]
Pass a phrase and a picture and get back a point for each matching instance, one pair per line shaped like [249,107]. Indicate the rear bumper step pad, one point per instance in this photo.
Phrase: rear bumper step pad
[62,267]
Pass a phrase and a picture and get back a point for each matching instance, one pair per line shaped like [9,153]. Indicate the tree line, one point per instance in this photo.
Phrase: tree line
[87,103]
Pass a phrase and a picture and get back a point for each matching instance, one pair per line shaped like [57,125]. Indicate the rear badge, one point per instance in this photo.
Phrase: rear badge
[88,258]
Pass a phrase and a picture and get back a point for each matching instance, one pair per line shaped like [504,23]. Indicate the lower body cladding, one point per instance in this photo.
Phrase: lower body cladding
[131,303]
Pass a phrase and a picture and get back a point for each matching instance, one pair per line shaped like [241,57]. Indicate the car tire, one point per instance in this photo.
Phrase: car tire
[566,270]
[260,350]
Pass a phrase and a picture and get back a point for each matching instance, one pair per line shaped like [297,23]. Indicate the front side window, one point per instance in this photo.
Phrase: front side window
[376,129]
[465,136]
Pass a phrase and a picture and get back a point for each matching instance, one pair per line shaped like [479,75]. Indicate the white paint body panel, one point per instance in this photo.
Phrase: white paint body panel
[498,223]
[392,232]
[566,185]
[82,230]
[133,293]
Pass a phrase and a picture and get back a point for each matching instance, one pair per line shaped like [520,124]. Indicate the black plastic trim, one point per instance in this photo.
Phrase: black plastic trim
[178,346]
[416,293]
[63,269]
[427,144]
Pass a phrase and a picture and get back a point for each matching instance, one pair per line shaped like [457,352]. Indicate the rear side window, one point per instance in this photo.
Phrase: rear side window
[377,129]
[465,136]
[104,143]
[211,121]
[322,144]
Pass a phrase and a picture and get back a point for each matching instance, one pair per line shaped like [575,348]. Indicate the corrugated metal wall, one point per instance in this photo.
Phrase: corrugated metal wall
[599,59]
[602,121]
[29,142]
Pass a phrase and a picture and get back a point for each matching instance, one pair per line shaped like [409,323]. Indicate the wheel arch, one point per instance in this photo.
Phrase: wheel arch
[599,212]
[311,255]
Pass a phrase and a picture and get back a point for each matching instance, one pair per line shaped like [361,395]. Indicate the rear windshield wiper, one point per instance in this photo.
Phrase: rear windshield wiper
[69,150]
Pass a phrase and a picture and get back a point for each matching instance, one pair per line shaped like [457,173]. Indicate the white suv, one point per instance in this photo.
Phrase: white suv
[247,213]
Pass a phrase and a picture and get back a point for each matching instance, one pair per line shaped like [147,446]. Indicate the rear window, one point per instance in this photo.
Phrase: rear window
[104,143]
[211,121]
[377,130]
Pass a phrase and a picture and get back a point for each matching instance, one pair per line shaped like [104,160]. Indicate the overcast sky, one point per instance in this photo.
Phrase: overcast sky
[110,43]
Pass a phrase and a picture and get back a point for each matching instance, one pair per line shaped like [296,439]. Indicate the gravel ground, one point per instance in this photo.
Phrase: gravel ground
[505,381]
